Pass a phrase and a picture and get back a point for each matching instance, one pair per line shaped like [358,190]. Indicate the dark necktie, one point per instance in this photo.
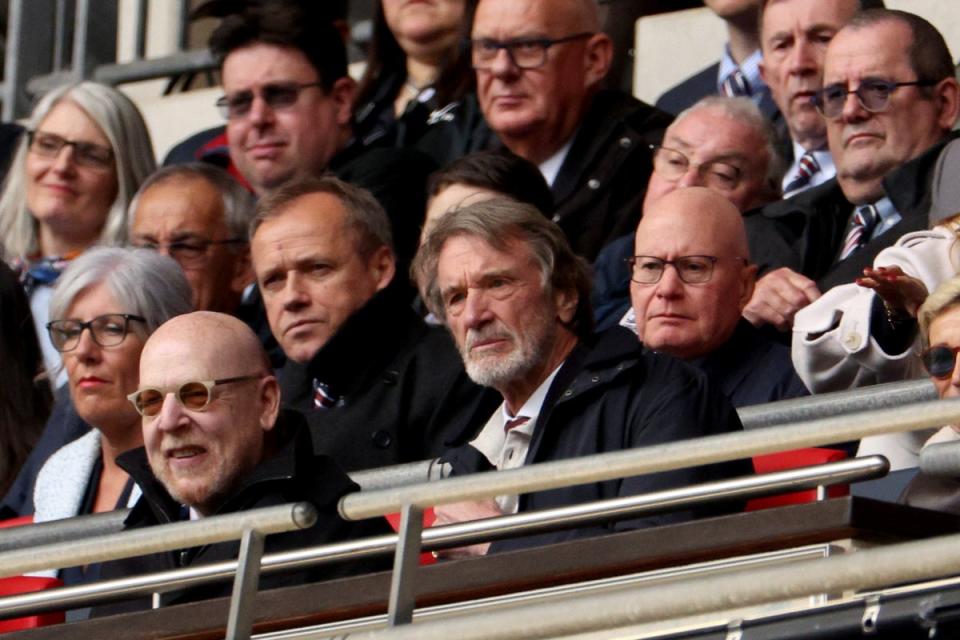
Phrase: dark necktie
[807,166]
[323,397]
[864,222]
[735,85]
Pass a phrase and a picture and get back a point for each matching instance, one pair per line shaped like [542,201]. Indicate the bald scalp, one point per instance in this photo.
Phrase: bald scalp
[234,343]
[700,208]
[584,14]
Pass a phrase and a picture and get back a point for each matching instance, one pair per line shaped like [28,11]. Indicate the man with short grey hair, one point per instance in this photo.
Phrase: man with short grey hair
[378,386]
[516,299]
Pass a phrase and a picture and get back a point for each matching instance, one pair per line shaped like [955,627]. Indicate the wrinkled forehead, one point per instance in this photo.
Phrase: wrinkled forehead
[192,352]
[464,259]
[878,50]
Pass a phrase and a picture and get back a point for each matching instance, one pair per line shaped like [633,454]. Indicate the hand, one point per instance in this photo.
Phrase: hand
[898,290]
[777,298]
[464,512]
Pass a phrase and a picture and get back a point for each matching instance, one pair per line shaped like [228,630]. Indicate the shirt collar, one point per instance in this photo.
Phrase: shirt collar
[531,408]
[750,68]
[551,166]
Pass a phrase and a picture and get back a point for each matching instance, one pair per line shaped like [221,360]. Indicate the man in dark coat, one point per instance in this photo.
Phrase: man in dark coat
[378,386]
[890,99]
[216,442]
[516,300]
[692,310]
[544,102]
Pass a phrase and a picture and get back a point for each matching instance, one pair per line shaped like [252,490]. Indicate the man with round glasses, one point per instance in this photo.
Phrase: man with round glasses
[889,101]
[540,65]
[691,277]
[216,441]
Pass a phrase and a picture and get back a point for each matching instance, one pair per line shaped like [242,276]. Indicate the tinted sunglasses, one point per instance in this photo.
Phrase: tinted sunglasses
[194,395]
[940,360]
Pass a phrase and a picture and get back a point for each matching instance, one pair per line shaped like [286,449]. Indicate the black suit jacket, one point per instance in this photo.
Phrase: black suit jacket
[702,84]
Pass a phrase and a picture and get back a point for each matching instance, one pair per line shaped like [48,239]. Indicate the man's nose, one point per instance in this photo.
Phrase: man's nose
[670,284]
[476,310]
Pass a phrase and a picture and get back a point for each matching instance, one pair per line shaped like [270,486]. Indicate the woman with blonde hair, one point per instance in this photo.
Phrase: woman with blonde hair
[85,152]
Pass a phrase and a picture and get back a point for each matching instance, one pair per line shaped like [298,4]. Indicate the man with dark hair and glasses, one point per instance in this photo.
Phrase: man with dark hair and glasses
[889,99]
[540,67]
[691,277]
[287,101]
[216,441]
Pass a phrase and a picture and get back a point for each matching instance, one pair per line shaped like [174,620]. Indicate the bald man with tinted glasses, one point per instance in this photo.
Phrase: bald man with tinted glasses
[216,442]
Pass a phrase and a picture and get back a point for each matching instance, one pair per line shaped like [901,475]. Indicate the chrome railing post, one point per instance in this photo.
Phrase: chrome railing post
[245,583]
[405,562]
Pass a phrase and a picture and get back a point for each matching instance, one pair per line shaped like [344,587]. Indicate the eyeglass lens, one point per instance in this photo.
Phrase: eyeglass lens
[191,395]
[88,154]
[940,361]
[691,269]
[277,96]
[107,330]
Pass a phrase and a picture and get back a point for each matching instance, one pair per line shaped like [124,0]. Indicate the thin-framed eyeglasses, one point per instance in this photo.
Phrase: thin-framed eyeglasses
[189,253]
[87,154]
[873,94]
[107,330]
[940,360]
[194,395]
[716,174]
[524,53]
[277,95]
[690,269]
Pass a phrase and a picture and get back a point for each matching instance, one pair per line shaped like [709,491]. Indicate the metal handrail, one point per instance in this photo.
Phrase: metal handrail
[664,457]
[880,396]
[178,535]
[451,535]
[867,569]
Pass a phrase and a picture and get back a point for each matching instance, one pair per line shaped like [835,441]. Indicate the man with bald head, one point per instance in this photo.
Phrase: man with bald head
[540,65]
[724,144]
[691,277]
[216,441]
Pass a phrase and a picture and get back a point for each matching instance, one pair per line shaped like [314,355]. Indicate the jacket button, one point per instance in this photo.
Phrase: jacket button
[626,143]
[391,377]
[568,393]
[381,439]
[595,379]
[852,341]
[593,183]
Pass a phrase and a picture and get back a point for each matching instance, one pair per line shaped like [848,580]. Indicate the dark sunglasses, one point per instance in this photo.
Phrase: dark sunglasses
[280,95]
[940,360]
[194,395]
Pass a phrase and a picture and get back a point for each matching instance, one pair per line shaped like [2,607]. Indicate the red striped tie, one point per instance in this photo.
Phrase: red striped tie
[864,222]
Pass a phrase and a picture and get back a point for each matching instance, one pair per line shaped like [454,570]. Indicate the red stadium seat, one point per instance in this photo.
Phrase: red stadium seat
[29,584]
[16,522]
[792,460]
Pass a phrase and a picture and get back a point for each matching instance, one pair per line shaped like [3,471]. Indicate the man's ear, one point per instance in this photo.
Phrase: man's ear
[383,266]
[567,303]
[598,56]
[748,281]
[947,93]
[269,391]
[343,92]
[242,272]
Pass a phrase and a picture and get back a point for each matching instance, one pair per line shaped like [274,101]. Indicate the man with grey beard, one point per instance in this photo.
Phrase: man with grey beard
[516,300]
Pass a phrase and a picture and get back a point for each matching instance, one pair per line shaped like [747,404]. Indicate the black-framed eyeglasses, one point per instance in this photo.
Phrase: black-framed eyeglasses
[940,360]
[107,330]
[524,53]
[188,253]
[194,395]
[716,174]
[88,154]
[873,94]
[690,269]
[277,95]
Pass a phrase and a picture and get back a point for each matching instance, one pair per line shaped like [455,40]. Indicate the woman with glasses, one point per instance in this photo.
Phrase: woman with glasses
[84,154]
[415,65]
[106,303]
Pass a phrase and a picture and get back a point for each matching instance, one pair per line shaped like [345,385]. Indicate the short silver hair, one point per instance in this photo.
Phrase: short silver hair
[746,112]
[239,205]
[943,299]
[142,281]
[122,124]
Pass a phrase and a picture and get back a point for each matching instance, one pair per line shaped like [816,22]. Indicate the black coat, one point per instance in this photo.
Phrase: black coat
[294,474]
[806,232]
[599,190]
[611,396]
[401,384]
[703,84]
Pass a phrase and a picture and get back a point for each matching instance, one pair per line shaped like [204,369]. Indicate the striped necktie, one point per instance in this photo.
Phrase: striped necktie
[323,397]
[736,85]
[864,222]
[807,166]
